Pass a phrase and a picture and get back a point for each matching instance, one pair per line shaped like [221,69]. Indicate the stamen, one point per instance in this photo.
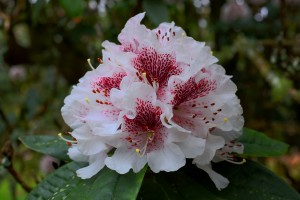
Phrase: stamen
[144,75]
[236,162]
[66,140]
[225,119]
[87,100]
[138,151]
[150,137]
[155,85]
[90,64]
[166,120]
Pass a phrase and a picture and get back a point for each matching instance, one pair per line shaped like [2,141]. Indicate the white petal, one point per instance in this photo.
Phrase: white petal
[87,143]
[174,135]
[105,123]
[192,146]
[123,160]
[74,112]
[220,181]
[213,143]
[134,33]
[170,158]
[126,99]
[96,163]
[227,135]
[91,146]
[76,155]
[140,163]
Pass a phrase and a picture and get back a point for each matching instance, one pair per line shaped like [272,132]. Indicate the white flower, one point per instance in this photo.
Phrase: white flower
[144,137]
[157,99]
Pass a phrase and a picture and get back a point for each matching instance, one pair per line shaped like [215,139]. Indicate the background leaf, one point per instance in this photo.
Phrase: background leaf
[107,184]
[157,11]
[258,144]
[248,181]
[46,144]
[37,9]
[73,8]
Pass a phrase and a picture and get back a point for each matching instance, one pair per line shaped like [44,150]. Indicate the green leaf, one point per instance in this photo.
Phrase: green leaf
[157,11]
[107,184]
[37,9]
[73,8]
[248,181]
[258,144]
[46,144]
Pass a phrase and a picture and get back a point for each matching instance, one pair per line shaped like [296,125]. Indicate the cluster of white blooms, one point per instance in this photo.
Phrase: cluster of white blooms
[157,98]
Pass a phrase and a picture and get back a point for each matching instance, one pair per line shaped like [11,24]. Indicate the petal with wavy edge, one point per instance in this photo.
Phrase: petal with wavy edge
[219,180]
[124,159]
[76,155]
[96,163]
[192,146]
[213,143]
[170,158]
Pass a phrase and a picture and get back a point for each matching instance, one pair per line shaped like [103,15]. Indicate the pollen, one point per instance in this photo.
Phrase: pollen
[150,135]
[137,150]
[225,119]
[87,100]
[167,121]
[144,74]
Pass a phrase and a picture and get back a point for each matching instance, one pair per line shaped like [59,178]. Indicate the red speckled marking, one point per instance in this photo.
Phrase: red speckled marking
[192,90]
[105,84]
[147,120]
[158,67]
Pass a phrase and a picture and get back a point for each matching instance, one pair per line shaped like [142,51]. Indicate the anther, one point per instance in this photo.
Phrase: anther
[225,119]
[100,60]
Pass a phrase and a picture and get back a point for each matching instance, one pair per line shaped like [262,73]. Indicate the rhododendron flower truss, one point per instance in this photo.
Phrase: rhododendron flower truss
[157,98]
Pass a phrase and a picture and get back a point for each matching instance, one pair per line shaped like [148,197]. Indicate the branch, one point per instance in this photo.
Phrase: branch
[7,151]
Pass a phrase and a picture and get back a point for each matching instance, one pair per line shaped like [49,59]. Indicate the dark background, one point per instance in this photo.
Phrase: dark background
[44,45]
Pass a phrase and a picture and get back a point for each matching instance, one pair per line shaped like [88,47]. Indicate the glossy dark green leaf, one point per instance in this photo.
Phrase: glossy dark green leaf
[248,181]
[57,182]
[107,184]
[73,8]
[157,11]
[258,144]
[46,144]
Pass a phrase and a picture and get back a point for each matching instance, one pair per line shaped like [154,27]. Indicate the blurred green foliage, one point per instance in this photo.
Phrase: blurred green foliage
[44,46]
